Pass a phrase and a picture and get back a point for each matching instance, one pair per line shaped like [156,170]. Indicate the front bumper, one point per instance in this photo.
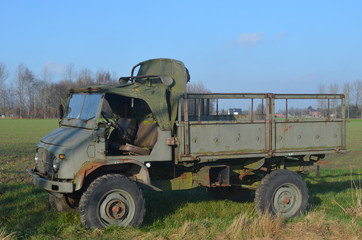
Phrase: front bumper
[51,185]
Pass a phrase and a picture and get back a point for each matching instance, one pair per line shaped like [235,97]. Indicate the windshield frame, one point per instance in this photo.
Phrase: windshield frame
[91,123]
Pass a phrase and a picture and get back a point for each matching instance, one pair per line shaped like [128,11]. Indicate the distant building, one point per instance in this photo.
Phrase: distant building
[234,111]
[315,114]
[279,115]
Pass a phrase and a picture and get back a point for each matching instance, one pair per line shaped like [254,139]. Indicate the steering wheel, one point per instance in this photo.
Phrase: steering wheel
[112,122]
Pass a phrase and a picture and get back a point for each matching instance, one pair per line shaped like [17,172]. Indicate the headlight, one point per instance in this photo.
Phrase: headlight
[56,166]
[36,158]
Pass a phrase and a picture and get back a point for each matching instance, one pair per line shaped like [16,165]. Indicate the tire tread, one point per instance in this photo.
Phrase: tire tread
[259,200]
[86,198]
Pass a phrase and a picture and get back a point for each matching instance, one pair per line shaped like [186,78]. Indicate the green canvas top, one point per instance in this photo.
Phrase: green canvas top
[155,81]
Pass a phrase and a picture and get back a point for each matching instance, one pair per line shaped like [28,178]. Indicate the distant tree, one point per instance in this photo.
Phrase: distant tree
[85,77]
[45,81]
[347,94]
[63,86]
[357,85]
[115,77]
[20,81]
[261,108]
[333,89]
[103,77]
[322,102]
[28,91]
[4,73]
[70,74]
[198,87]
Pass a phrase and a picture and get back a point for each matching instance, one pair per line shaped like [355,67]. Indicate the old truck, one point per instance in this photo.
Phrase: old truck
[149,132]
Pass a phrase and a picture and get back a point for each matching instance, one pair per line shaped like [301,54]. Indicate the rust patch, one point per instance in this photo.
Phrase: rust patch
[246,172]
[92,166]
[285,130]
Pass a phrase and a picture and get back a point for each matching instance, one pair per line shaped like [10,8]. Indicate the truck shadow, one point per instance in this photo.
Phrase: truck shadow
[325,186]
[159,205]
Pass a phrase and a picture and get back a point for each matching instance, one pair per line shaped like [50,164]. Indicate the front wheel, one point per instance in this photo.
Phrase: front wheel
[112,200]
[282,192]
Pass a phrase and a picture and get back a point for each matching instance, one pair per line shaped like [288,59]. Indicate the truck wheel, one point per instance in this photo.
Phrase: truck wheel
[282,192]
[112,200]
[62,204]
[230,193]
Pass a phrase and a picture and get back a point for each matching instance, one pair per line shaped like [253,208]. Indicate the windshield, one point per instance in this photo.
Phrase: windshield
[83,106]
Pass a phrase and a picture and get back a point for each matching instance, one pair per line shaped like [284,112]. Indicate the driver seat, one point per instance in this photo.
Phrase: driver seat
[145,139]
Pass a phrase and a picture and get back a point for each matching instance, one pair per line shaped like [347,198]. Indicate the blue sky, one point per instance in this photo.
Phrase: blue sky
[231,46]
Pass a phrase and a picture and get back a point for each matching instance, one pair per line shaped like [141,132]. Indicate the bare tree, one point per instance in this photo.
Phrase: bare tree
[322,102]
[198,87]
[70,74]
[46,79]
[333,89]
[20,80]
[357,85]
[4,73]
[115,77]
[85,78]
[103,77]
[347,94]
[10,101]
[28,81]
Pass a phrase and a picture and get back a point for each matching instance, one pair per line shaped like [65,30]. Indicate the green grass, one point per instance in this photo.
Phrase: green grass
[25,213]
[353,157]
[18,140]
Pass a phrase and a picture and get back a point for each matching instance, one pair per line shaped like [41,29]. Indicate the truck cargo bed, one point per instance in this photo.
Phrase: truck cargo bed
[209,135]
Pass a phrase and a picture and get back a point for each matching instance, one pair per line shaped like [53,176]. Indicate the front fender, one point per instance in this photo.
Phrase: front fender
[129,167]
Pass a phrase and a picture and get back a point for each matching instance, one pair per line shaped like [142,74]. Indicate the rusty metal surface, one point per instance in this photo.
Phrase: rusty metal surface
[215,138]
[308,135]
[139,174]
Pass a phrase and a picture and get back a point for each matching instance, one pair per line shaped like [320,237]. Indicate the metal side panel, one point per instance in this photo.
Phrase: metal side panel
[227,138]
[308,135]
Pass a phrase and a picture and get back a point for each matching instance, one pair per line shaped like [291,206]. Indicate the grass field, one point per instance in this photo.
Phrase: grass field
[334,210]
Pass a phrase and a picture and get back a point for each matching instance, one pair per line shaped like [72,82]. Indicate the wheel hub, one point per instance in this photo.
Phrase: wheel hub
[287,200]
[115,209]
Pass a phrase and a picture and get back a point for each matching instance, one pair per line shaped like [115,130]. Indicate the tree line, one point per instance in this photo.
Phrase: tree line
[31,96]
[353,97]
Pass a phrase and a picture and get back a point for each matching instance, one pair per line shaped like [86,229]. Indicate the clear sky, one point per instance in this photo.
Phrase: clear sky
[231,46]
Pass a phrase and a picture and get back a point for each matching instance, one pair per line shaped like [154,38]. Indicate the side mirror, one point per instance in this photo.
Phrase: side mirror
[61,111]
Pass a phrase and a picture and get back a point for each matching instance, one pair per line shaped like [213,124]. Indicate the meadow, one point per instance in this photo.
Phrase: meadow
[335,210]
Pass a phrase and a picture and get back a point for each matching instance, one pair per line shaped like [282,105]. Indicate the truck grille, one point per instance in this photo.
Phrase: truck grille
[45,162]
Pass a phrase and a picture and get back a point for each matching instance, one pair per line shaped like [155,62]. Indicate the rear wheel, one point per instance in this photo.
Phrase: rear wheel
[112,200]
[282,192]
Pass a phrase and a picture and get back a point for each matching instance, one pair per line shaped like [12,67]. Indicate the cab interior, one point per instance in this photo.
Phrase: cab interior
[133,129]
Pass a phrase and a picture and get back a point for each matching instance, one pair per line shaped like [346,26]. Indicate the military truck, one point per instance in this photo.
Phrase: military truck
[148,132]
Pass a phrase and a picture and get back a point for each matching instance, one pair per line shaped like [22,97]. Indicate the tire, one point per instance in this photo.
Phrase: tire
[282,192]
[62,204]
[112,200]
[236,194]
